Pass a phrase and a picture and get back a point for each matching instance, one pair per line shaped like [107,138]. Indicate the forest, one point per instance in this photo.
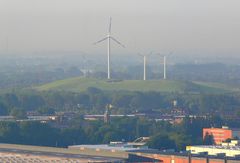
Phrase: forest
[94,101]
[163,135]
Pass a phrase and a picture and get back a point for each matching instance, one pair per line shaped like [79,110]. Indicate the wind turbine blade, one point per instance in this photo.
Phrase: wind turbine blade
[100,40]
[140,54]
[110,25]
[170,53]
[161,55]
[150,53]
[117,42]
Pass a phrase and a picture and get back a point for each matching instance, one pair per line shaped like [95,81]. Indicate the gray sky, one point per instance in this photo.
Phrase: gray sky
[187,26]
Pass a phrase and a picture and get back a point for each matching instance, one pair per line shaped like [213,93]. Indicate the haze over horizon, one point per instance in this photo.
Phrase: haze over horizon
[198,28]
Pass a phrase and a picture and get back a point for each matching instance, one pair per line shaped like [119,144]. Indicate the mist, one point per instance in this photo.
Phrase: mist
[190,28]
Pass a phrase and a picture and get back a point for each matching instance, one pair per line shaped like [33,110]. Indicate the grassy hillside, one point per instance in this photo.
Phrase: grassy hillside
[218,86]
[81,84]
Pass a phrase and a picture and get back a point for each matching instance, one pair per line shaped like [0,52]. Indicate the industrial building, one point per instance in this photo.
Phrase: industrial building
[221,134]
[31,154]
[154,155]
[231,149]
[102,153]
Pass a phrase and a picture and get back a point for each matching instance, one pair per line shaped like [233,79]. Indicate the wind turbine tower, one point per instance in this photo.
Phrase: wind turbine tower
[109,38]
[84,67]
[165,64]
[164,67]
[144,65]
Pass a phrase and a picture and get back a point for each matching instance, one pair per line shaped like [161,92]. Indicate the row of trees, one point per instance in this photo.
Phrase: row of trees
[163,134]
[94,101]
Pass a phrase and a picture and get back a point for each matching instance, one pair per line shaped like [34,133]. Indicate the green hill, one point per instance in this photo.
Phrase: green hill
[81,84]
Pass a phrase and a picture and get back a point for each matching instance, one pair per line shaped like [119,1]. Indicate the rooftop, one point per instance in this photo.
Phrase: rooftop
[219,147]
[117,147]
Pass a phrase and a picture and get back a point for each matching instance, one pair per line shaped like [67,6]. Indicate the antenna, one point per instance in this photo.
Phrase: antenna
[109,38]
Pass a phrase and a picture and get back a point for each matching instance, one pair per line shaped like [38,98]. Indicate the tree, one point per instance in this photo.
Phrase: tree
[71,136]
[208,139]
[82,99]
[31,101]
[181,140]
[11,100]
[93,90]
[120,100]
[36,133]
[18,113]
[46,111]
[161,141]
[3,109]
[9,132]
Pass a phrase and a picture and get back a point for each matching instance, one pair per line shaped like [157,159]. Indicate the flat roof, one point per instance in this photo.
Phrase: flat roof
[122,147]
[218,147]
[52,152]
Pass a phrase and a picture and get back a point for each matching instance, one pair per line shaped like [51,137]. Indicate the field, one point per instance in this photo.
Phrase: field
[81,84]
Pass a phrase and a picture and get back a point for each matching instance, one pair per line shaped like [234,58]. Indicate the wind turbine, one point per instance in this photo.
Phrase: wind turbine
[84,66]
[109,38]
[144,65]
[165,64]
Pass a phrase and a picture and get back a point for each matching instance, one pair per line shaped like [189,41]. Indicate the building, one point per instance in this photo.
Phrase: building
[28,154]
[221,134]
[187,158]
[231,149]
[154,155]
[102,153]
[115,147]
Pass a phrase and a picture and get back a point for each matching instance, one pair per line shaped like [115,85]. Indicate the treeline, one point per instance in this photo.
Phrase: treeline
[209,72]
[29,76]
[163,134]
[94,101]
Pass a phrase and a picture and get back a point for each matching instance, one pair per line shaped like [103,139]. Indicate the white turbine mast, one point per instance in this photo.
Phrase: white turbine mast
[165,64]
[109,38]
[144,65]
[164,67]
[84,66]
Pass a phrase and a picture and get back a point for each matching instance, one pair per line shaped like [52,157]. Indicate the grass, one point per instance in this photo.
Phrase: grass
[81,84]
[218,86]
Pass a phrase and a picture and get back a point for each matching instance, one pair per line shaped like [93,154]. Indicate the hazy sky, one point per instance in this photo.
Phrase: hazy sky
[187,26]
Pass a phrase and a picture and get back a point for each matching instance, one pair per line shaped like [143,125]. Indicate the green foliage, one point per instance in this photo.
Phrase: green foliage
[181,139]
[95,100]
[72,136]
[36,133]
[163,135]
[161,141]
[46,111]
[208,139]
[9,132]
[18,113]
[3,109]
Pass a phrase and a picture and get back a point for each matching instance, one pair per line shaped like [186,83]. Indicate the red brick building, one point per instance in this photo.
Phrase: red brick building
[221,134]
